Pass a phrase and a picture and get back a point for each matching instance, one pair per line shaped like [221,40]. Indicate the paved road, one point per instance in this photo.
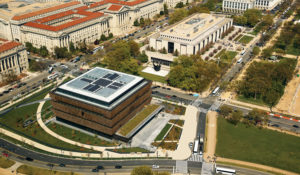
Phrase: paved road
[44,159]
[244,171]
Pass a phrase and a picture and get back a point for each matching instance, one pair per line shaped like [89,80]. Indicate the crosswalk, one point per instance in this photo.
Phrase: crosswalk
[195,158]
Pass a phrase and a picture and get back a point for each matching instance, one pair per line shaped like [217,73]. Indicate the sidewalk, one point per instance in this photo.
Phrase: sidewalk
[188,135]
[211,136]
[256,166]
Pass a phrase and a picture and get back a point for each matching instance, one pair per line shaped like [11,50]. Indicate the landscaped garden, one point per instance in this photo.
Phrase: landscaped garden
[245,39]
[253,144]
[163,132]
[137,119]
[166,145]
[226,56]
[130,150]
[5,162]
[16,119]
[174,109]
[177,122]
[174,134]
[78,136]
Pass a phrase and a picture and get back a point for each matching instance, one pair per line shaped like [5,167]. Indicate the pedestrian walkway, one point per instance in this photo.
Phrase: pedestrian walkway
[211,135]
[188,135]
[207,168]
[14,167]
[196,158]
[181,167]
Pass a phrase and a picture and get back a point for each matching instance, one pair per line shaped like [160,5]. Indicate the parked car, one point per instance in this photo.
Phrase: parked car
[155,166]
[95,170]
[295,126]
[118,166]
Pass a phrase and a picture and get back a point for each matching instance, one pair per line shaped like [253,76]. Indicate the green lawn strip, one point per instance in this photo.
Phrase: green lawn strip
[130,150]
[14,119]
[257,101]
[78,136]
[177,122]
[174,134]
[131,124]
[25,169]
[163,132]
[238,37]
[220,53]
[6,163]
[151,76]
[245,39]
[262,146]
[248,167]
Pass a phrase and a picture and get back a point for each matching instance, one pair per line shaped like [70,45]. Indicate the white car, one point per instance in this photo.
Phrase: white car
[155,166]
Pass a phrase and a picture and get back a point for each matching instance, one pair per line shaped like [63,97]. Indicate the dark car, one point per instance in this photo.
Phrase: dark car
[62,165]
[95,170]
[118,166]
[295,126]
[99,167]
[275,125]
[29,159]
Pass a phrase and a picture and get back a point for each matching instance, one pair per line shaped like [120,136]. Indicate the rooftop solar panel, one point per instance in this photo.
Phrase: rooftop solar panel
[113,87]
[102,82]
[117,84]
[113,76]
[107,75]
[93,88]
[86,80]
[88,87]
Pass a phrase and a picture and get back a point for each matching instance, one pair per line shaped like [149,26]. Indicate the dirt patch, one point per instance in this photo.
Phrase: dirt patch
[290,99]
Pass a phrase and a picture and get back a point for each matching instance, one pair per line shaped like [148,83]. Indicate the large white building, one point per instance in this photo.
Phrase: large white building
[191,35]
[239,6]
[13,58]
[75,22]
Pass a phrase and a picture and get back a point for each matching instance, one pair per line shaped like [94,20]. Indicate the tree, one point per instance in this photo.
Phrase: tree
[256,51]
[103,37]
[271,98]
[266,22]
[225,110]
[110,35]
[253,16]
[176,53]
[178,15]
[143,57]
[142,21]
[62,52]
[136,23]
[37,66]
[166,11]
[96,42]
[267,52]
[240,20]
[72,47]
[29,46]
[179,5]
[256,115]
[236,117]
[134,48]
[10,77]
[43,51]
[142,170]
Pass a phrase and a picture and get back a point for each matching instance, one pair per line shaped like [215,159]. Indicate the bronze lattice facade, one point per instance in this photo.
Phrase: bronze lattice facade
[97,118]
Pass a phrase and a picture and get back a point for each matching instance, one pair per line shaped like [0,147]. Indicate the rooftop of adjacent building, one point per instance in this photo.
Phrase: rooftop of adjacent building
[101,84]
[193,26]
[17,8]
[6,45]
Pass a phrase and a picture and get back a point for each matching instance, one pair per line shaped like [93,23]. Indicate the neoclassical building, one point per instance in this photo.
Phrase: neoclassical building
[192,34]
[239,6]
[13,58]
[75,22]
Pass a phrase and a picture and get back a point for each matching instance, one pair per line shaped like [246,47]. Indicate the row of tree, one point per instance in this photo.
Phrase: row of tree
[145,170]
[124,56]
[192,73]
[267,80]
[42,51]
[250,18]
[254,117]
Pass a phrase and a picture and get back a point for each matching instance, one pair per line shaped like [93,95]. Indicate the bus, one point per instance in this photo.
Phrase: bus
[240,60]
[243,52]
[220,170]
[196,146]
[216,90]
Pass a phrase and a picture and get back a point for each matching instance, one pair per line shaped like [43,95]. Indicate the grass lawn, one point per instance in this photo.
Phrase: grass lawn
[245,39]
[138,119]
[230,55]
[6,163]
[174,133]
[292,50]
[25,169]
[15,118]
[166,145]
[177,122]
[151,76]
[78,136]
[256,145]
[257,101]
[238,37]
[220,53]
[163,132]
[130,150]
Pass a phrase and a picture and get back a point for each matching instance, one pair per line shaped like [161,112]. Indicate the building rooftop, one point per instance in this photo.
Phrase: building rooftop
[115,7]
[7,45]
[192,27]
[102,85]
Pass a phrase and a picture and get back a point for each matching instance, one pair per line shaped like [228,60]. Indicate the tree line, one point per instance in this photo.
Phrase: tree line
[192,73]
[267,80]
